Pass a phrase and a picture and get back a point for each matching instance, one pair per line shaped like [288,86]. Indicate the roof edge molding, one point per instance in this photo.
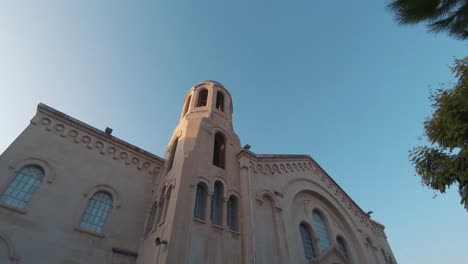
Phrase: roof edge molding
[80,133]
[277,164]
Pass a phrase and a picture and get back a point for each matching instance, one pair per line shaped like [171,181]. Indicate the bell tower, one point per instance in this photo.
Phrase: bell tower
[195,212]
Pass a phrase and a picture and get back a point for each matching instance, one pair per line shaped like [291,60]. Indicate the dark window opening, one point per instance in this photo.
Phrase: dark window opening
[220,101]
[307,242]
[219,150]
[232,213]
[202,98]
[200,197]
[217,204]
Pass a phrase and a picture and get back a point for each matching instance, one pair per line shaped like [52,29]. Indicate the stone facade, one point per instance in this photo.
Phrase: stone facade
[98,199]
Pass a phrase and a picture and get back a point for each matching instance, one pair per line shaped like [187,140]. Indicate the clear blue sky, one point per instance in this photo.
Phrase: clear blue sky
[338,80]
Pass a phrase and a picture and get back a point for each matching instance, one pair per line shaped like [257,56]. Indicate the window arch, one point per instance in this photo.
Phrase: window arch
[25,183]
[202,98]
[220,101]
[200,198]
[306,241]
[187,105]
[151,217]
[217,204]
[232,213]
[219,151]
[322,230]
[172,154]
[97,211]
[341,246]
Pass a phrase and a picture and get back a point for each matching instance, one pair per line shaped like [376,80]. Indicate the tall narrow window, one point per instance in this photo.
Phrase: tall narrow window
[161,205]
[95,215]
[232,213]
[202,98]
[219,150]
[151,217]
[341,246]
[306,241]
[217,204]
[384,256]
[166,203]
[390,261]
[187,105]
[172,154]
[19,191]
[322,231]
[200,197]
[220,101]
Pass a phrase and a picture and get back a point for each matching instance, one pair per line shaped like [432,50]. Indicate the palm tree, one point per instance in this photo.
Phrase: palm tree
[450,16]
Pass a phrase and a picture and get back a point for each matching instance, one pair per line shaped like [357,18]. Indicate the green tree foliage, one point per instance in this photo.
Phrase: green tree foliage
[440,15]
[445,161]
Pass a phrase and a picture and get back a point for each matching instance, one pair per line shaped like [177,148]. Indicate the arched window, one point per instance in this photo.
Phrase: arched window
[306,241]
[341,246]
[220,101]
[200,198]
[19,191]
[95,215]
[217,204]
[202,98]
[151,217]
[219,150]
[232,213]
[187,105]
[322,231]
[172,154]
[166,203]
[161,204]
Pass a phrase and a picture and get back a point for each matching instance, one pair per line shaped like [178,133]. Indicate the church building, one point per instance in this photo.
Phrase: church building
[73,194]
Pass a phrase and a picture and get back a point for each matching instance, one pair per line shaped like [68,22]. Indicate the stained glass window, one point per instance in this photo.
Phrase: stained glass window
[19,191]
[96,213]
[322,231]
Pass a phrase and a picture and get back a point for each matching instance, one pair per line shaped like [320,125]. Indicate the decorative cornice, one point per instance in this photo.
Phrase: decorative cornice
[95,140]
[271,164]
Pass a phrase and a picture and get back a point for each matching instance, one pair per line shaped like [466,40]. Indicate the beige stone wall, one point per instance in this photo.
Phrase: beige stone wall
[276,193]
[191,240]
[78,161]
[294,186]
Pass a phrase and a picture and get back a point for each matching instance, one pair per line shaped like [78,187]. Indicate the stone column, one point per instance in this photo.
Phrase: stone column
[224,219]
[208,207]
[245,212]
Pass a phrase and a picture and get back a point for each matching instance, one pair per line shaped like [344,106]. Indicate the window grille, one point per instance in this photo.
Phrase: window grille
[322,231]
[96,213]
[19,191]
[307,242]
